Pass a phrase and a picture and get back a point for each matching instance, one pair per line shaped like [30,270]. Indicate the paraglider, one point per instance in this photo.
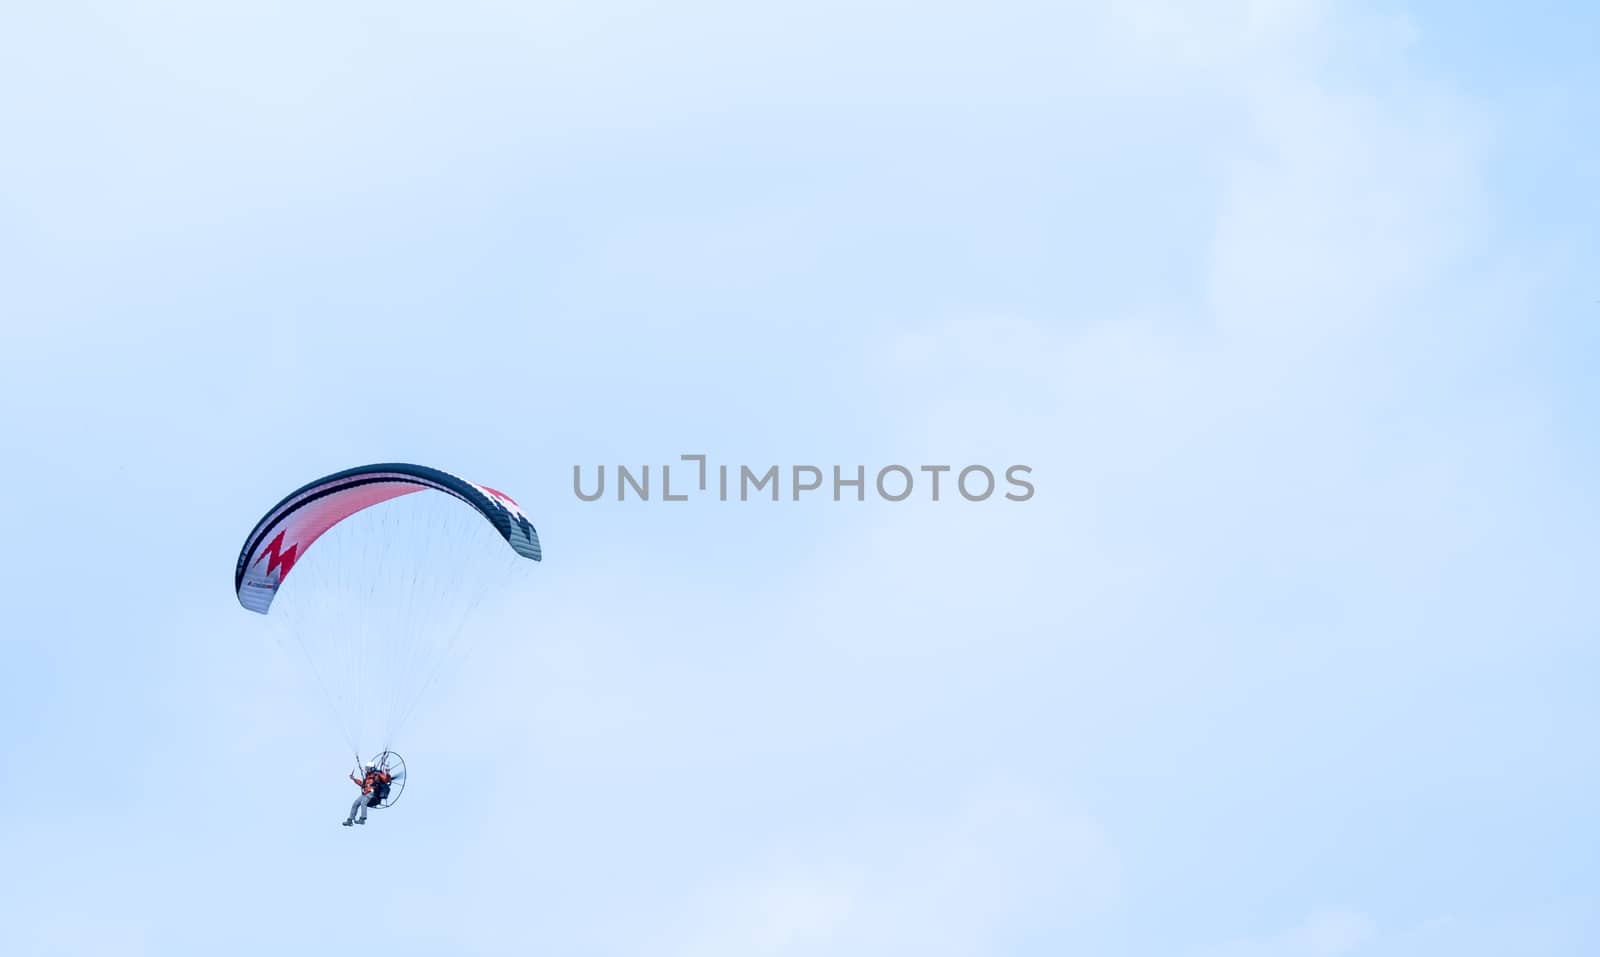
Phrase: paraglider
[405,557]
[382,780]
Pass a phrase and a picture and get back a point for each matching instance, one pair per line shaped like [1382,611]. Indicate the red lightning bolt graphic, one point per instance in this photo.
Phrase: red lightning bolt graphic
[277,558]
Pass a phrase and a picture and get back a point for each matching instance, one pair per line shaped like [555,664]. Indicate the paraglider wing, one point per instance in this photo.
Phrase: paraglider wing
[286,532]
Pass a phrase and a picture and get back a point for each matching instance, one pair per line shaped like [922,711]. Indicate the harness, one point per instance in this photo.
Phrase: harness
[380,788]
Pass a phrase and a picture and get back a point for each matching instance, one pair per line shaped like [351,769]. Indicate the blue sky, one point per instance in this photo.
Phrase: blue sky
[1288,305]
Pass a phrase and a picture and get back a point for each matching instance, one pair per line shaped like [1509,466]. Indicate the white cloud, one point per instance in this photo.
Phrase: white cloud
[1000,865]
[1328,933]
